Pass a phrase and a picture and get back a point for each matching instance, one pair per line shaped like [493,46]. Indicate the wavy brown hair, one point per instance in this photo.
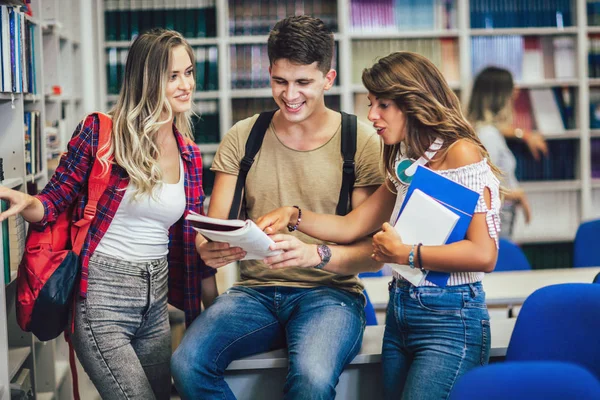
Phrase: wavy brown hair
[431,108]
[142,107]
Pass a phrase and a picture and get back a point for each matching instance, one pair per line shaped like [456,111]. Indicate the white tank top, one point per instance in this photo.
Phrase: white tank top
[140,228]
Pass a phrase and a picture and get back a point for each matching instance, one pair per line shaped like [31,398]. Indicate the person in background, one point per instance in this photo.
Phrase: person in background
[490,112]
[315,307]
[433,334]
[139,245]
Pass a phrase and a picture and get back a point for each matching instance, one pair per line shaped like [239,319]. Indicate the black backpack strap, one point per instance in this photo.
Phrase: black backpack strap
[253,144]
[348,175]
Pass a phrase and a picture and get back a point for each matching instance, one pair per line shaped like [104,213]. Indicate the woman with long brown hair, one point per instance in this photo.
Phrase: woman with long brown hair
[433,334]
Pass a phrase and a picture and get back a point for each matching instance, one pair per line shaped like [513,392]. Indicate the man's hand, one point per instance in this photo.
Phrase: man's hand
[217,254]
[295,253]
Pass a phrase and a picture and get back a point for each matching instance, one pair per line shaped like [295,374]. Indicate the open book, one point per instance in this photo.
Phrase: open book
[237,233]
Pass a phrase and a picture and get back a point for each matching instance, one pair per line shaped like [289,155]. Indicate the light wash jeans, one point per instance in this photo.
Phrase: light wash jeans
[122,336]
[322,327]
[432,336]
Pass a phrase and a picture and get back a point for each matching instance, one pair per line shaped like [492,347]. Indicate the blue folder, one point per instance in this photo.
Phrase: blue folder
[454,196]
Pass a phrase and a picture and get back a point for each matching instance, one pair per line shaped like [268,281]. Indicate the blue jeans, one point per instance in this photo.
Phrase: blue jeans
[322,328]
[432,336]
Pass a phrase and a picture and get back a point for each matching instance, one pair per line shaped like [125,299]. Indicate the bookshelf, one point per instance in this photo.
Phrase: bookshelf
[363,31]
[46,105]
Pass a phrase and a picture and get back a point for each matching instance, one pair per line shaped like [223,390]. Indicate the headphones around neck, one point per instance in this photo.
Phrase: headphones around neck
[405,167]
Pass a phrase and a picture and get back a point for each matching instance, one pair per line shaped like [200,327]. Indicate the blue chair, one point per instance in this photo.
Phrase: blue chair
[559,323]
[549,380]
[511,257]
[597,278]
[369,311]
[370,274]
[586,252]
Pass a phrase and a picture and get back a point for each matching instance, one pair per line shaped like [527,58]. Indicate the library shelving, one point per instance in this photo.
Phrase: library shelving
[459,36]
[39,97]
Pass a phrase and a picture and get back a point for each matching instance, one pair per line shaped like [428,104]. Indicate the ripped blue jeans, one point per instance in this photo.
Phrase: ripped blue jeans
[322,328]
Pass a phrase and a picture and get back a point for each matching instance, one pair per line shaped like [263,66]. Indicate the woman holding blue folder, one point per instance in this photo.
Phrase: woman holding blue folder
[435,332]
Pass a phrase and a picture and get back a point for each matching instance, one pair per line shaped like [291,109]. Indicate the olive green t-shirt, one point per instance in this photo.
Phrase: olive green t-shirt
[281,176]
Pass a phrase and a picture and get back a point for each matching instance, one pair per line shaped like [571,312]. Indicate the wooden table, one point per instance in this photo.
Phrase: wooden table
[503,289]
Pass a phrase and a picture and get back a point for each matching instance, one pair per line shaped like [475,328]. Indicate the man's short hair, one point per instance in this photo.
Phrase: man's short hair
[301,39]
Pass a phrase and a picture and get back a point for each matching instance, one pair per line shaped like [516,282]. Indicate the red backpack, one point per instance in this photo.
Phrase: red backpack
[48,273]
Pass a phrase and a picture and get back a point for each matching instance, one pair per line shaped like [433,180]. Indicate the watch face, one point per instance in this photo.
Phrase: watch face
[324,252]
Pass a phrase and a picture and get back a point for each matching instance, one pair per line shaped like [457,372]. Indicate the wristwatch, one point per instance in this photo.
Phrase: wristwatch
[325,254]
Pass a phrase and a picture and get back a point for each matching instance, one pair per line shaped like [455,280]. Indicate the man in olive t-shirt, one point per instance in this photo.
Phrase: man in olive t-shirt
[315,308]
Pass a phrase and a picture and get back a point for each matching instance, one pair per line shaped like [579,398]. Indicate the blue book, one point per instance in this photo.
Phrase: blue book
[454,196]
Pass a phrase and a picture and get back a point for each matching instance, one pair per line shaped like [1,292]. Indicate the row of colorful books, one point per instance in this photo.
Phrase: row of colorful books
[490,14]
[442,52]
[251,17]
[125,19]
[550,111]
[402,15]
[207,75]
[530,59]
[594,56]
[250,66]
[559,164]
[593,12]
[17,55]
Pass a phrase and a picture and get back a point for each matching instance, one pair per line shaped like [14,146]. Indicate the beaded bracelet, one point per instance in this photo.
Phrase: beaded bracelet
[411,257]
[292,228]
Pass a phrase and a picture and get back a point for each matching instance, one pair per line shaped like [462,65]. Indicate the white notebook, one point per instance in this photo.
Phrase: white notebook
[423,220]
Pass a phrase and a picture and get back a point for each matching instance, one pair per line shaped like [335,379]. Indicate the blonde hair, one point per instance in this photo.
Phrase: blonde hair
[142,108]
[431,108]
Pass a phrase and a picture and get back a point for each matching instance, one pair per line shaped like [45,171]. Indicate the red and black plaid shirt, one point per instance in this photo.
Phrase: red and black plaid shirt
[68,185]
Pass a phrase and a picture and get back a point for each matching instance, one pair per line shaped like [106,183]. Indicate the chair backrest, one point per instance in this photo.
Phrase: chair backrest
[527,380]
[371,274]
[559,323]
[369,311]
[511,257]
[586,252]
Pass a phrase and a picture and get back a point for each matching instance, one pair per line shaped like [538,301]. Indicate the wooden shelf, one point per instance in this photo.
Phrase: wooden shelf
[568,134]
[45,396]
[571,30]
[416,34]
[551,186]
[61,370]
[12,183]
[208,147]
[16,358]
[548,83]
